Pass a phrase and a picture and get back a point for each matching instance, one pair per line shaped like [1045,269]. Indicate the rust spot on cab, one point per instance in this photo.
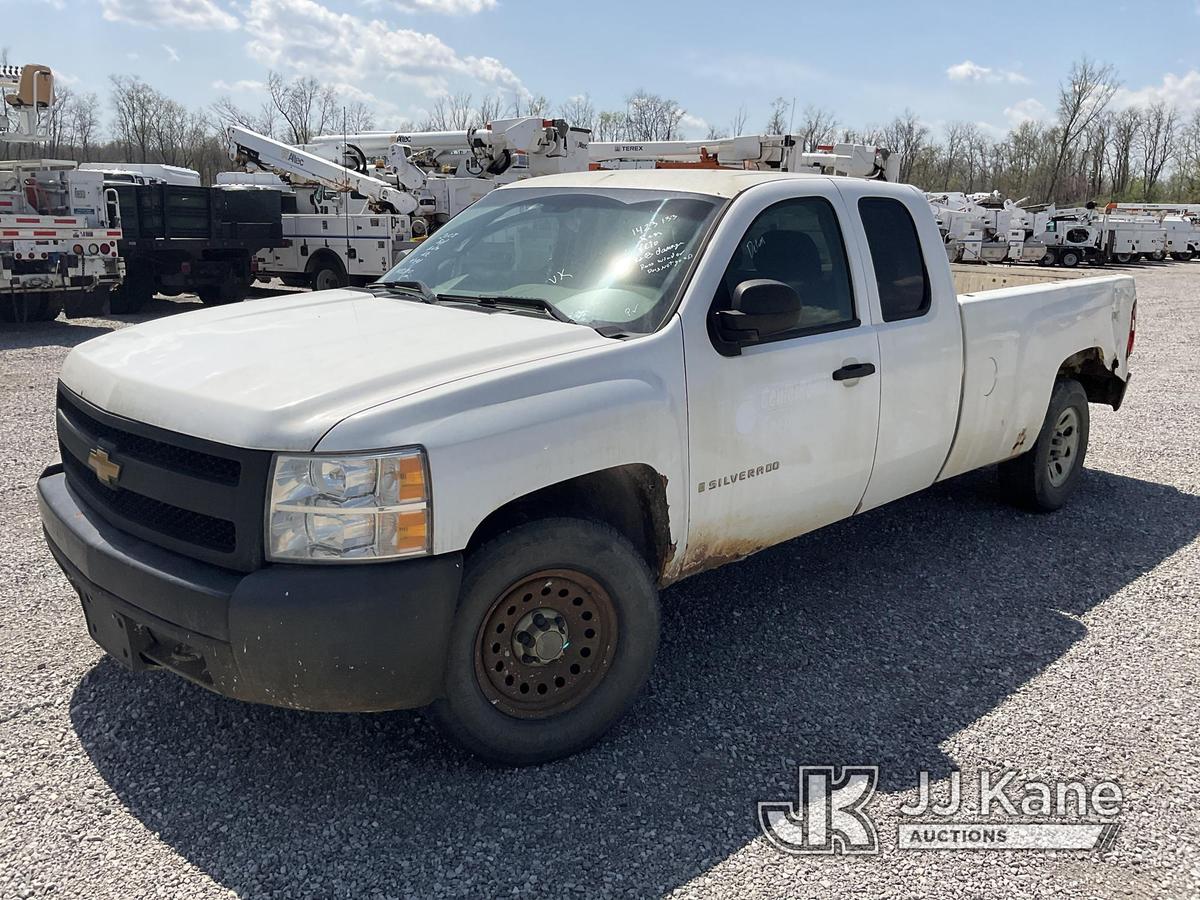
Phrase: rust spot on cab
[1020,441]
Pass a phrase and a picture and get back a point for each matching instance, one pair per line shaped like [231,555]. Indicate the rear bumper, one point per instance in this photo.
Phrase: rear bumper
[328,638]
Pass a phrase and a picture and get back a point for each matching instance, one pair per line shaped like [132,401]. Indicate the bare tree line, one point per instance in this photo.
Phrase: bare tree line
[1087,150]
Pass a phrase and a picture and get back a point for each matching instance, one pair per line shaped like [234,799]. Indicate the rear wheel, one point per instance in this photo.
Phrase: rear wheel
[1045,477]
[1123,258]
[1048,259]
[134,293]
[230,290]
[326,274]
[30,308]
[554,638]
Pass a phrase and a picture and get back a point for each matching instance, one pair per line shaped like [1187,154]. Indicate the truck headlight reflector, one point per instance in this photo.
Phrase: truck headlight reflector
[348,508]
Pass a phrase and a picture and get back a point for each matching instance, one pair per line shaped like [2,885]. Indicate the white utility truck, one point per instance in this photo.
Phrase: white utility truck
[59,226]
[355,217]
[1089,234]
[984,228]
[464,485]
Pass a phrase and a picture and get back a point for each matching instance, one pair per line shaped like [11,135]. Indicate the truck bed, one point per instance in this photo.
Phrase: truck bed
[1019,327]
[974,279]
[171,212]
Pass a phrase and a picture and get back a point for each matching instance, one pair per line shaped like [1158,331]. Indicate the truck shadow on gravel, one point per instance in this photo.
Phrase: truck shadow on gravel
[869,642]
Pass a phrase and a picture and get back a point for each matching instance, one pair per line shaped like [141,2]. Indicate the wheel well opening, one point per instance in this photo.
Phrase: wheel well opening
[632,499]
[1099,382]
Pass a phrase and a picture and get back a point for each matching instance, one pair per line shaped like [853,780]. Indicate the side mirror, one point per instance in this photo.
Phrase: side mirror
[761,309]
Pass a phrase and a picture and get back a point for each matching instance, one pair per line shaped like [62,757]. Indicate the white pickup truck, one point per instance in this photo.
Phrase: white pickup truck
[465,485]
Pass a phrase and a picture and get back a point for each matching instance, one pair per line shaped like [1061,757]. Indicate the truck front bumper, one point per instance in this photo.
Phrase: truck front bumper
[342,638]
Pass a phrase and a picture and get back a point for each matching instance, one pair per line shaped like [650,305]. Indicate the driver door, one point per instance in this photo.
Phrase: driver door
[781,442]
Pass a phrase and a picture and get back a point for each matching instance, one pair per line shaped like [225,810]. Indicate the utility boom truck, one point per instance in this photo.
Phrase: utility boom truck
[758,152]
[59,226]
[465,484]
[362,201]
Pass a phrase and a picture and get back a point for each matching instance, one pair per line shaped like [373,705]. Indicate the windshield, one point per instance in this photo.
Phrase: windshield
[604,258]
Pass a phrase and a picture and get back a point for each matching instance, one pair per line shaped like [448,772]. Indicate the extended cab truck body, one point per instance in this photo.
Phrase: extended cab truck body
[464,485]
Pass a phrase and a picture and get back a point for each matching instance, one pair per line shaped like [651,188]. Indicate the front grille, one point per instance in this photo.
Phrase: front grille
[169,456]
[189,495]
[172,521]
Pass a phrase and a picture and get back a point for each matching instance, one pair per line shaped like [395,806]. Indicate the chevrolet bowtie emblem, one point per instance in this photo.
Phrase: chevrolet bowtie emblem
[106,470]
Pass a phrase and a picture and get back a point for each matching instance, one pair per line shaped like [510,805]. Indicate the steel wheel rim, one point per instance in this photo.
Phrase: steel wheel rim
[527,685]
[1064,447]
[326,280]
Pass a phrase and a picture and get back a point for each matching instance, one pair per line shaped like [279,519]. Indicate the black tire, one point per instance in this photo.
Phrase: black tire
[1123,259]
[134,293]
[1069,258]
[1048,259]
[29,308]
[230,290]
[325,273]
[593,551]
[1028,480]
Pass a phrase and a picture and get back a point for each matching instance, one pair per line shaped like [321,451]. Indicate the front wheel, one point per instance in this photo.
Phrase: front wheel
[555,636]
[1070,259]
[1045,477]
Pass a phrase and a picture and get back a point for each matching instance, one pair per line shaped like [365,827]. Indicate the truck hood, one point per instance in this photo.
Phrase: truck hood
[276,374]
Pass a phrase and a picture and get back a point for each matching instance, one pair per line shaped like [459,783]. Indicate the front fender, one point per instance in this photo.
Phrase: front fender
[493,438]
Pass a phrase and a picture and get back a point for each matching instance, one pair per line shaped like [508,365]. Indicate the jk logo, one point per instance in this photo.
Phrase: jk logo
[829,817]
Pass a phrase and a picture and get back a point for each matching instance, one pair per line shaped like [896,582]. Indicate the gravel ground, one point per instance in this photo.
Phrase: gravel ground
[945,632]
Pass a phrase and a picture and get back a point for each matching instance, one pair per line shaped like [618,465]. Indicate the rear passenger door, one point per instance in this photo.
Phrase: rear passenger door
[778,445]
[920,340]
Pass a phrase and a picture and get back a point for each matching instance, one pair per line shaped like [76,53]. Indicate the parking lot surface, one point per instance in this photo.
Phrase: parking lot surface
[945,632]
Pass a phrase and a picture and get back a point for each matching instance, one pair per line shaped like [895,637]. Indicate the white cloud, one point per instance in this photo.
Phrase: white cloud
[1028,110]
[448,7]
[197,15]
[693,125]
[243,86]
[970,71]
[1182,91]
[172,53]
[304,37]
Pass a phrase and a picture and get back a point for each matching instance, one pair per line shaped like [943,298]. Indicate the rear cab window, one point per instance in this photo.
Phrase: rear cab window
[903,280]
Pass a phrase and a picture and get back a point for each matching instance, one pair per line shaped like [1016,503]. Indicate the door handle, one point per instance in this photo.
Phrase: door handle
[858,370]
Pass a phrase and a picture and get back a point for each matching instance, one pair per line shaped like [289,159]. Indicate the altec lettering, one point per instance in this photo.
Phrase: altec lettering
[735,477]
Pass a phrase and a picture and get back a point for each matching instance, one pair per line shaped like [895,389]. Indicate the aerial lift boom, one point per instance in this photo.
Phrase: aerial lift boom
[257,151]
[779,151]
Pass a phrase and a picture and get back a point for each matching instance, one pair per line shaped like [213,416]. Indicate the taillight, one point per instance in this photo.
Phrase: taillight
[1132,330]
[93,249]
[77,249]
[185,268]
[104,249]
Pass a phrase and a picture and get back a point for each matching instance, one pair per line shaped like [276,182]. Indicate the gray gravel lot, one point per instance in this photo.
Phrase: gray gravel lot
[947,631]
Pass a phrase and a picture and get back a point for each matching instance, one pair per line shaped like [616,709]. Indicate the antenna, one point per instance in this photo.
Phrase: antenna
[346,200]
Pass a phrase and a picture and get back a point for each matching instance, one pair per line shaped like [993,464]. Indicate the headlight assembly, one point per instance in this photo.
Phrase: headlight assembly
[349,508]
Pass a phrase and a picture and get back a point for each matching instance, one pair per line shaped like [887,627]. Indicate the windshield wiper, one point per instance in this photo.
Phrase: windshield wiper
[500,300]
[417,288]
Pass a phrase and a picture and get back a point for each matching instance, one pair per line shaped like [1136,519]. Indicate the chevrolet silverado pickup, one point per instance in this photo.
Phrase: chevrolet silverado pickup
[463,486]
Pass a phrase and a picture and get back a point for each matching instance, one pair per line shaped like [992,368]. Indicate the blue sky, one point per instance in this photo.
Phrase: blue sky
[865,62]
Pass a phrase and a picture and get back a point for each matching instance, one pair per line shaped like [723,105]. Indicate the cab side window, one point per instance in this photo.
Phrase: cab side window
[798,242]
[904,291]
